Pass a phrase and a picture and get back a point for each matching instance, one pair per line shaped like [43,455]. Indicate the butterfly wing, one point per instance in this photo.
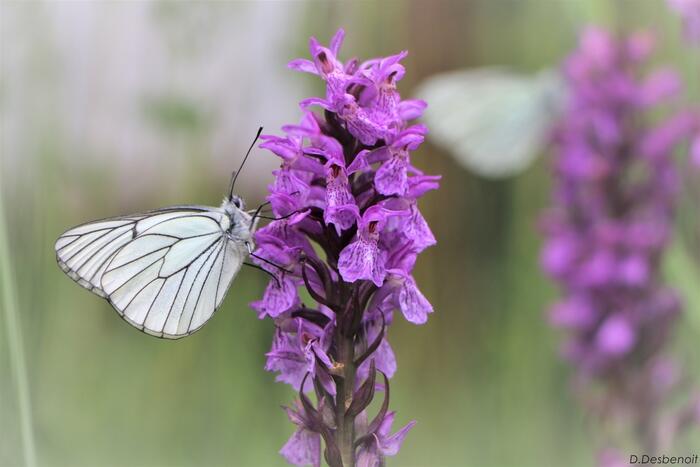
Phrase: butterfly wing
[84,251]
[165,272]
[493,121]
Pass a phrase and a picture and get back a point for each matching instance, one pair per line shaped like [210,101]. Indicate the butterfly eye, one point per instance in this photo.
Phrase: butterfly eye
[237,202]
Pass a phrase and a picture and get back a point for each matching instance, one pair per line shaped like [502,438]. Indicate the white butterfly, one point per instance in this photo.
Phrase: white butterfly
[165,271]
[492,120]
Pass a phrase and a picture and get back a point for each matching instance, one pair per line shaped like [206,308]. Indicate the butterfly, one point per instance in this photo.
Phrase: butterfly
[494,121]
[166,271]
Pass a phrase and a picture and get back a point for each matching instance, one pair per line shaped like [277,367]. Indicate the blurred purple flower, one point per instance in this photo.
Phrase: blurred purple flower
[345,187]
[689,10]
[615,185]
[695,149]
[612,458]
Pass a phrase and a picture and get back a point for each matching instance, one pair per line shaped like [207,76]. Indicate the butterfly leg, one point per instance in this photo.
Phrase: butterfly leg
[257,211]
[264,260]
[257,215]
[255,266]
[260,216]
[270,263]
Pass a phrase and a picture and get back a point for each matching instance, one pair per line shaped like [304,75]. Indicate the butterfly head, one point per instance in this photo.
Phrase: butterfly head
[236,201]
[234,207]
[239,225]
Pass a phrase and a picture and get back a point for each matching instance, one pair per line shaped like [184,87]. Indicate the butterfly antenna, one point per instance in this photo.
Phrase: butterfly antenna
[235,173]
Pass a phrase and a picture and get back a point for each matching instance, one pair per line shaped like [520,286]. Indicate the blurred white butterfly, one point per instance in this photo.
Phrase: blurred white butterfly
[165,271]
[492,120]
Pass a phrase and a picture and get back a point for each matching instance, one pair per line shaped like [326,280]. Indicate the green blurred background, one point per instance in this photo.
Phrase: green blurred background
[110,108]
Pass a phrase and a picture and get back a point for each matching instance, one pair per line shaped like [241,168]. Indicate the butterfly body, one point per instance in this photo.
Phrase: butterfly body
[240,228]
[165,271]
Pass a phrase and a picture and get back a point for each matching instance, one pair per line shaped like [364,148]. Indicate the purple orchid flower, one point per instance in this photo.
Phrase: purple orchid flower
[379,443]
[346,188]
[341,209]
[363,258]
[392,177]
[304,447]
[300,352]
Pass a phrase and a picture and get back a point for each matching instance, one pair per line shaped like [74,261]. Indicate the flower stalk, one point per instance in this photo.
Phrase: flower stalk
[347,231]
[346,427]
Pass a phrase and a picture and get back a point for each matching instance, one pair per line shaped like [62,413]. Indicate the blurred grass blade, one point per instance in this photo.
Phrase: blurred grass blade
[15,344]
[681,272]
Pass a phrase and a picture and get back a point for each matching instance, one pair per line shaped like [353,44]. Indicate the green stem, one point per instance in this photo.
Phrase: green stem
[345,432]
[15,344]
